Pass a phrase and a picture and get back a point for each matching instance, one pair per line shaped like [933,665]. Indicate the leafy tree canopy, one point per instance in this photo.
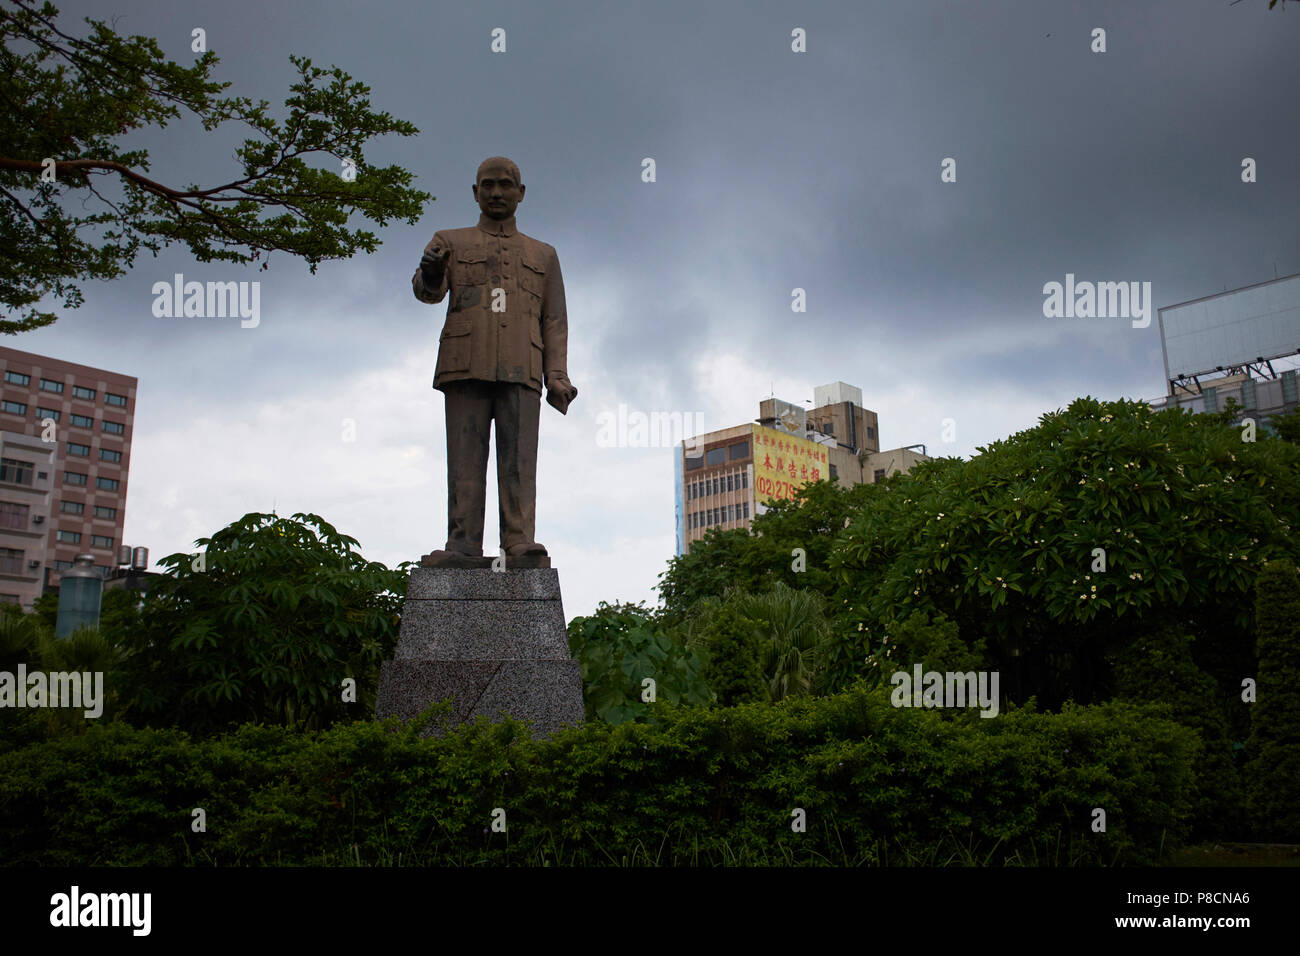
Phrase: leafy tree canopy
[1106,520]
[69,101]
[1055,547]
[266,623]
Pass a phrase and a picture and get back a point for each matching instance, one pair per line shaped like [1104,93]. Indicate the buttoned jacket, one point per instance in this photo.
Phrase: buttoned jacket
[506,319]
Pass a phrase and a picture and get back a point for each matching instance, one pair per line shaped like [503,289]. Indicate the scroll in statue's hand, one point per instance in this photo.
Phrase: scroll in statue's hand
[560,392]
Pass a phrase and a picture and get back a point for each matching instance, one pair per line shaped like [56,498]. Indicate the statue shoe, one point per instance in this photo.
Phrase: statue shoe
[522,550]
[450,559]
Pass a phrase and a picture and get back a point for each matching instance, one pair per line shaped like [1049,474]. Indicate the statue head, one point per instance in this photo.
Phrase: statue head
[498,188]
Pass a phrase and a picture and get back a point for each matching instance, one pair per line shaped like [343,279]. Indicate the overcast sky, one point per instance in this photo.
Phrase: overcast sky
[774,170]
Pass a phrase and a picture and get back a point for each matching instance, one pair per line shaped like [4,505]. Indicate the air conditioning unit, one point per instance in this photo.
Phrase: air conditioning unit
[38,519]
[33,563]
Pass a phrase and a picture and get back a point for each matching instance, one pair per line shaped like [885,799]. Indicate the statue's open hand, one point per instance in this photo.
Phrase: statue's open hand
[433,265]
[560,392]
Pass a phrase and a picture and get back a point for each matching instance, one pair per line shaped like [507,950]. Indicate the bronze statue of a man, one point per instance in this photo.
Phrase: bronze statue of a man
[505,336]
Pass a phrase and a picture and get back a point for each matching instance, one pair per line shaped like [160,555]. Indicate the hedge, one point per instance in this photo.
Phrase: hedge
[878,785]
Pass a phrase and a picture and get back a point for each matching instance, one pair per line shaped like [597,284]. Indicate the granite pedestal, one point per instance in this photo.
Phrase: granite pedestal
[493,642]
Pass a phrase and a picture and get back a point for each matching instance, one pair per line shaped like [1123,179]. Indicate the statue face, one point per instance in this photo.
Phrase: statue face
[497,193]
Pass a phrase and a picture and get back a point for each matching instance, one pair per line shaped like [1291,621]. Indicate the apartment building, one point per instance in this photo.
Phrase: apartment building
[66,431]
[726,477]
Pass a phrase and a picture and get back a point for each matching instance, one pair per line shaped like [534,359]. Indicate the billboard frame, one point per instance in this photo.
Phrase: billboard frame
[1245,367]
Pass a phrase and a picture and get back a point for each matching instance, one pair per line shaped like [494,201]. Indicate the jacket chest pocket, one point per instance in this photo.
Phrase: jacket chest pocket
[471,267]
[532,277]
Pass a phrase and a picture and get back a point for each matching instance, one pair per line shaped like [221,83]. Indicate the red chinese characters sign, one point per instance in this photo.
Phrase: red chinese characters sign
[784,463]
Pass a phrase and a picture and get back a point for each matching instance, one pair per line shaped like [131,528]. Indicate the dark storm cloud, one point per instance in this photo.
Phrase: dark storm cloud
[775,170]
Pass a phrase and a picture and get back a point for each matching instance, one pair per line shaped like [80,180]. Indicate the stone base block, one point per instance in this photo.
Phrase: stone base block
[546,692]
[482,631]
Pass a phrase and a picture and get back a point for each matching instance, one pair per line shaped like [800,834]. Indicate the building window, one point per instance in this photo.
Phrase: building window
[104,512]
[17,378]
[101,541]
[829,429]
[738,450]
[744,479]
[13,515]
[81,451]
[9,599]
[82,421]
[49,385]
[15,471]
[11,561]
[68,537]
[62,565]
[108,484]
[87,393]
[693,463]
[715,456]
[746,510]
[14,408]
[108,454]
[834,472]
[879,475]
[871,431]
[72,507]
[114,428]
[53,413]
[73,478]
[119,400]
[729,488]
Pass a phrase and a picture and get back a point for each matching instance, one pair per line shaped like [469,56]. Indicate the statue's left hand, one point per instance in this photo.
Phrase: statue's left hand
[560,392]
